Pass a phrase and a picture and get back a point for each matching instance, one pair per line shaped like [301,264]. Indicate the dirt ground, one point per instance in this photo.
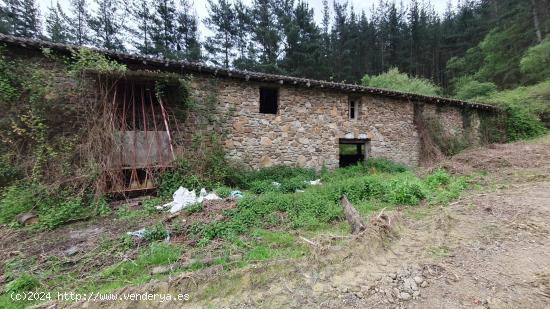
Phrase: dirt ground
[489,249]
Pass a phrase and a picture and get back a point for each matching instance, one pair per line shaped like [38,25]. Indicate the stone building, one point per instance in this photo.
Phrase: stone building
[273,119]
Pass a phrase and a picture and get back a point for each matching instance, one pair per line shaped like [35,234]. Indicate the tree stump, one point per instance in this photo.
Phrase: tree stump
[353,217]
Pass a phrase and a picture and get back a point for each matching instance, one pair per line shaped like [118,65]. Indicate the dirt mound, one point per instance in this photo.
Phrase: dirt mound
[498,156]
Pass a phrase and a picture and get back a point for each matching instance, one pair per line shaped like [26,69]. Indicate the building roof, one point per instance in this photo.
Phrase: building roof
[186,66]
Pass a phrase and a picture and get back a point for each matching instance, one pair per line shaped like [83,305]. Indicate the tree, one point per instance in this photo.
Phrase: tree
[187,38]
[164,28]
[56,25]
[222,21]
[266,33]
[243,21]
[303,43]
[142,16]
[78,22]
[108,25]
[535,64]
[21,18]
[394,80]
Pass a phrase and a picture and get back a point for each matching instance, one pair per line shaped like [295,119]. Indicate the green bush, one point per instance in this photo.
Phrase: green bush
[156,232]
[15,200]
[520,124]
[535,64]
[8,172]
[223,191]
[262,186]
[56,211]
[394,80]
[53,208]
[467,88]
[405,191]
[437,179]
[182,175]
[25,283]
[320,204]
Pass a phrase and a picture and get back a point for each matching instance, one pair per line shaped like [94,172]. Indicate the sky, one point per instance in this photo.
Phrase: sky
[317,5]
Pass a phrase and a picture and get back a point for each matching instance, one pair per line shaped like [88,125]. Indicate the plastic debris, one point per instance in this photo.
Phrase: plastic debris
[183,198]
[138,233]
[236,194]
[299,191]
[276,184]
[316,182]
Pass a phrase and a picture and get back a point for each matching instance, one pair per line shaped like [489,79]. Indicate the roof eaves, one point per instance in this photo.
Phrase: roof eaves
[243,74]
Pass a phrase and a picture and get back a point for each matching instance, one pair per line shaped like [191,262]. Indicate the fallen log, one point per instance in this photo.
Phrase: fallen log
[355,221]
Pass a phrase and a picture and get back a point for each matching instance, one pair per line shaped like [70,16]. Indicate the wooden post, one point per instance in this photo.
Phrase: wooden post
[353,217]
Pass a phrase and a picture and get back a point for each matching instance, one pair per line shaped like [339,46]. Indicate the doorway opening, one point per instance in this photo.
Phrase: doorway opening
[352,151]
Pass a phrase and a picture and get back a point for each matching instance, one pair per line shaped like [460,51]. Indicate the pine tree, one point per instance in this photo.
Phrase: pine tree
[107,25]
[222,21]
[21,18]
[243,23]
[303,43]
[31,24]
[56,26]
[188,45]
[164,29]
[78,22]
[142,17]
[266,33]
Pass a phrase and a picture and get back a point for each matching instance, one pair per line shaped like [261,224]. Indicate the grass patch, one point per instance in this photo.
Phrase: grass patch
[370,187]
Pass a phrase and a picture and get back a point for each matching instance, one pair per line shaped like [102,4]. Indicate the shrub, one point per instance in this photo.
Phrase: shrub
[437,179]
[405,191]
[25,283]
[520,124]
[394,80]
[535,64]
[223,191]
[15,200]
[319,205]
[182,175]
[156,232]
[467,88]
[8,172]
[56,211]
[262,186]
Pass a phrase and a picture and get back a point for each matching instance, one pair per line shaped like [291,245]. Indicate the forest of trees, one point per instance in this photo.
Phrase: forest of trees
[481,39]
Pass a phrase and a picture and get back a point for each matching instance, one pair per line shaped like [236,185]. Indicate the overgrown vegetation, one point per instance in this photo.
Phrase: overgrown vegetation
[54,139]
[275,199]
[395,80]
[264,225]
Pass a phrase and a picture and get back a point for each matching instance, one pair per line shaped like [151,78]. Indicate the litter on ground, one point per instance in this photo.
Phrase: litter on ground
[236,194]
[316,182]
[183,198]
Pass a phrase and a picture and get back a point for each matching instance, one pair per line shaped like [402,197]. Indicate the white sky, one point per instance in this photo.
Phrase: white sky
[317,5]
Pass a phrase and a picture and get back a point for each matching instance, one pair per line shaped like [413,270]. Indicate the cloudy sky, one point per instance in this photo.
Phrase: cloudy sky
[200,5]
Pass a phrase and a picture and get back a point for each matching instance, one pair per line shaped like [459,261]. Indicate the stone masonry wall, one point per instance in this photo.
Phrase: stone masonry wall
[307,128]
[453,123]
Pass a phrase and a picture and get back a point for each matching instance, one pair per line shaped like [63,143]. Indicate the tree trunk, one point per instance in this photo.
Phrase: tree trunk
[353,217]
[536,21]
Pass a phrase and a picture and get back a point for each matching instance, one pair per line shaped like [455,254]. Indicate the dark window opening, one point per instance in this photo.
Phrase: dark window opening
[269,98]
[353,108]
[352,151]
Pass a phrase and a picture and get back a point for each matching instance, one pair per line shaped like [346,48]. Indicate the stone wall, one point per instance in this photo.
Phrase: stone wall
[307,128]
[456,122]
[309,123]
